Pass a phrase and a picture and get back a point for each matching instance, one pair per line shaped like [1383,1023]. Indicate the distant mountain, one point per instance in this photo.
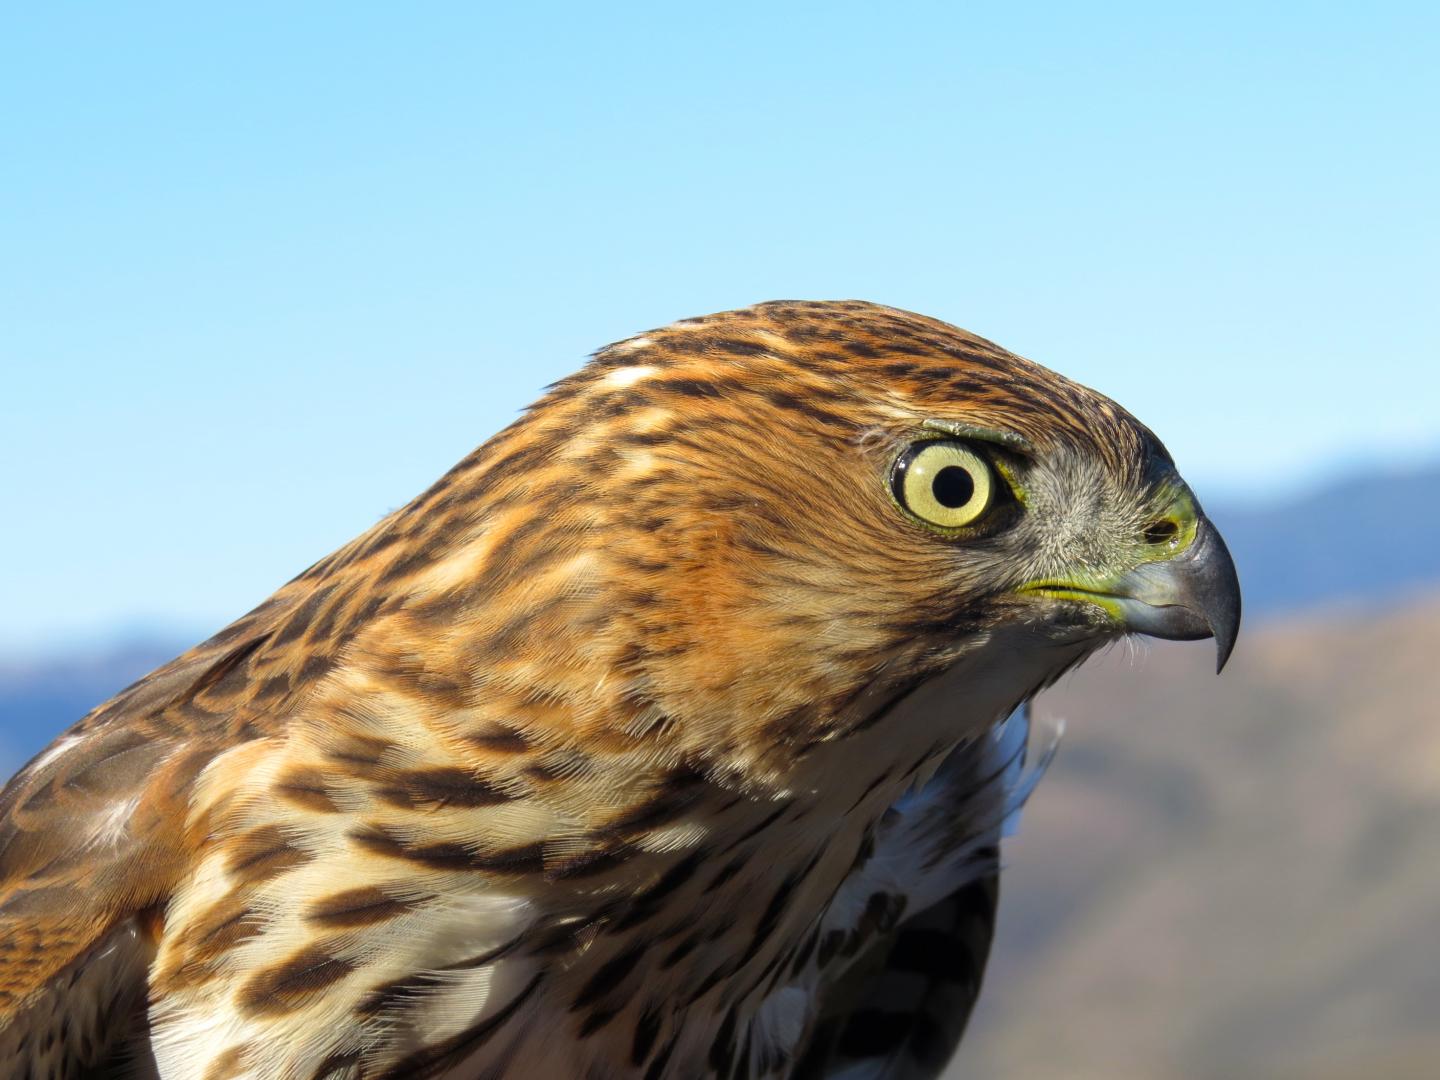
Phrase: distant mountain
[38,700]
[1234,876]
[1370,538]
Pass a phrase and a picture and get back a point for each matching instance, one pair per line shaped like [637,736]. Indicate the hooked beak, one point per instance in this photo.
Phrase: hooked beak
[1194,595]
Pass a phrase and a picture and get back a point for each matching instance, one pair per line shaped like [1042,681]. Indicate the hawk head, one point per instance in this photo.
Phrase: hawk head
[762,515]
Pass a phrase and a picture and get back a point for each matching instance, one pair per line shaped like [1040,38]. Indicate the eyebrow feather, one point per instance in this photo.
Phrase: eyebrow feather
[959,428]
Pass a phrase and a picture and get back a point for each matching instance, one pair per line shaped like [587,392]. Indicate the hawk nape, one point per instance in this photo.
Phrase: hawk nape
[665,736]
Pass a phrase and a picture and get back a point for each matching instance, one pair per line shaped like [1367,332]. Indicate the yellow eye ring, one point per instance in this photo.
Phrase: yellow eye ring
[943,483]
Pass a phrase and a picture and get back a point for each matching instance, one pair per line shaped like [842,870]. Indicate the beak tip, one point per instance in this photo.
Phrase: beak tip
[1223,649]
[1225,623]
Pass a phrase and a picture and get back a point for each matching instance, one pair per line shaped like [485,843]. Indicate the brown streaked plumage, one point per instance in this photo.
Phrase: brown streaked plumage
[661,737]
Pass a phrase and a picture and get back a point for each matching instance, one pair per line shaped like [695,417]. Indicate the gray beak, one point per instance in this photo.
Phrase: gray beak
[1194,595]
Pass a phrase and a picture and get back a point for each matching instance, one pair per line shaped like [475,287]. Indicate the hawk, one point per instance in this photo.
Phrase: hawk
[669,734]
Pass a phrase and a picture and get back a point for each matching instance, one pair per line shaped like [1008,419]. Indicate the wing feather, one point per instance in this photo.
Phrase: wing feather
[92,841]
[96,831]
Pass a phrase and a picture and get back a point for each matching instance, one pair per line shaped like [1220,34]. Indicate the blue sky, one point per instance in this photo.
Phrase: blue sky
[267,270]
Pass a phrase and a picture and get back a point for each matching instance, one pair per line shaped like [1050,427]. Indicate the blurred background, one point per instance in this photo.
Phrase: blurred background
[265,272]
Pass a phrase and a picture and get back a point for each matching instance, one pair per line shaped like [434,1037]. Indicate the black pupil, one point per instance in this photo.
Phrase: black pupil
[953,487]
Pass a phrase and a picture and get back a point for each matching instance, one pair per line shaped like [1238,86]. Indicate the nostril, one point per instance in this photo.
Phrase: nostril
[1161,532]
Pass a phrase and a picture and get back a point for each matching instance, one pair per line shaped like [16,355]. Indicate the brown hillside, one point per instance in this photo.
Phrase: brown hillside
[1233,877]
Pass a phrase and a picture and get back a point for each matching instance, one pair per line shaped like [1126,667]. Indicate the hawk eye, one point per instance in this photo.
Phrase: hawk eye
[943,483]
